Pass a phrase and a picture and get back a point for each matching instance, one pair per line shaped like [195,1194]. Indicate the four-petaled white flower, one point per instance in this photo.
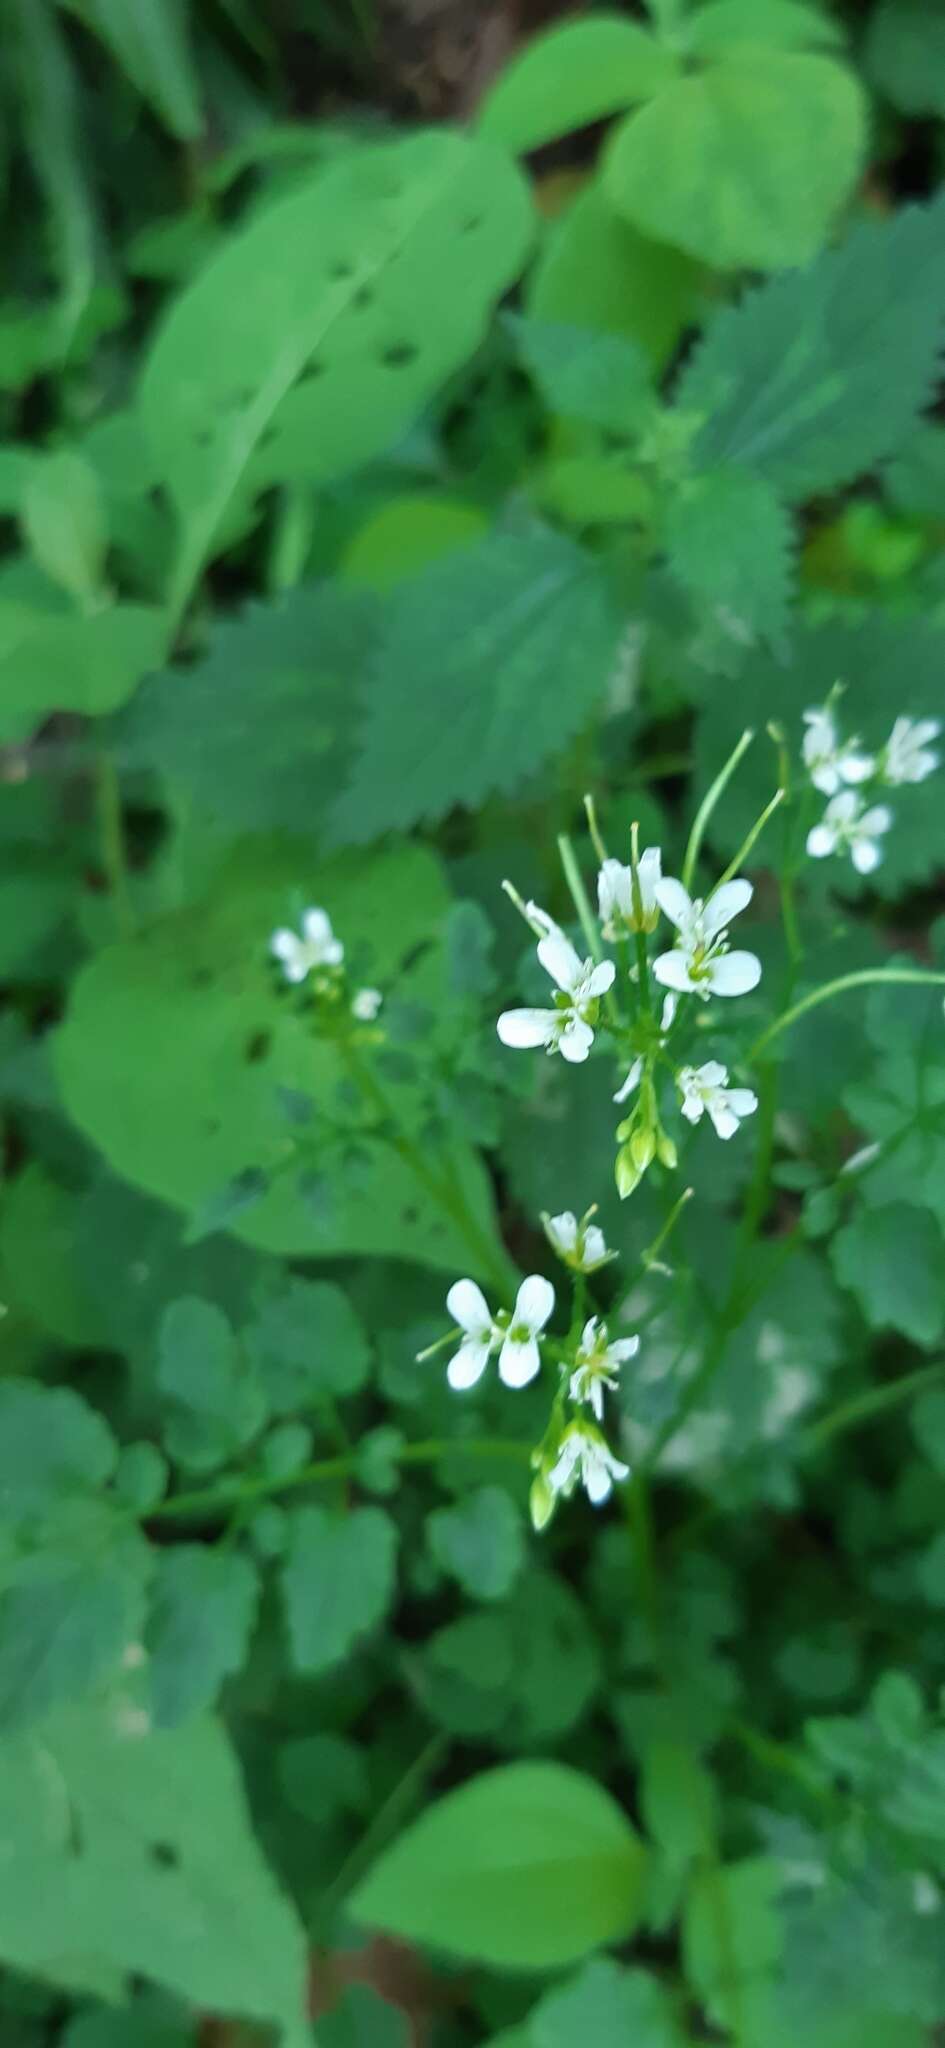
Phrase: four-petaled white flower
[700,963]
[615,895]
[907,756]
[583,1454]
[569,1027]
[706,1088]
[830,761]
[597,1364]
[365,1004]
[519,1356]
[316,947]
[846,826]
[580,1245]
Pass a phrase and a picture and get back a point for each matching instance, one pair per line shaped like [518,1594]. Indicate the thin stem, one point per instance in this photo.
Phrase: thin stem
[749,841]
[708,805]
[112,843]
[594,828]
[579,897]
[389,1817]
[875,1401]
[220,1500]
[651,1252]
[865,977]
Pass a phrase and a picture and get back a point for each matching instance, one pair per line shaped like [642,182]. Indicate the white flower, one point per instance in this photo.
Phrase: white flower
[830,761]
[519,1358]
[317,946]
[580,1245]
[365,1004]
[907,756]
[615,895]
[584,1454]
[568,1028]
[845,825]
[632,1082]
[700,963]
[597,1363]
[706,1088]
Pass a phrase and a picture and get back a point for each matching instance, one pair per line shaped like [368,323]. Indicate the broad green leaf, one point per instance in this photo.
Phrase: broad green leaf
[729,542]
[64,522]
[603,379]
[364,2020]
[152,44]
[529,1866]
[731,1932]
[203,1605]
[71,1602]
[42,1271]
[597,271]
[608,2005]
[313,338]
[337,1581]
[178,1050]
[307,1345]
[51,661]
[678,1801]
[529,1668]
[406,533]
[52,1444]
[793,380]
[893,1260]
[215,1402]
[321,1775]
[152,2022]
[745,164]
[905,55]
[501,654]
[479,1542]
[574,74]
[140,1847]
[790,24]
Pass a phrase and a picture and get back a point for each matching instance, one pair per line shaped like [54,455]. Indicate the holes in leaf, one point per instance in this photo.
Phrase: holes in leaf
[399,354]
[257,1047]
[470,225]
[364,296]
[164,1856]
[313,369]
[340,269]
[203,436]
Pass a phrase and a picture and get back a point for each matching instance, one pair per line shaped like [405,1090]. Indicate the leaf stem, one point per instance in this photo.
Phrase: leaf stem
[220,1500]
[864,977]
[708,805]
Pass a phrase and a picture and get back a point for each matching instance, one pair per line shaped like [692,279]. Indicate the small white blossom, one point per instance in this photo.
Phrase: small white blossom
[366,1004]
[615,902]
[846,827]
[519,1358]
[700,962]
[631,1083]
[830,761]
[569,1027]
[315,947]
[706,1088]
[584,1455]
[580,1245]
[907,756]
[597,1364]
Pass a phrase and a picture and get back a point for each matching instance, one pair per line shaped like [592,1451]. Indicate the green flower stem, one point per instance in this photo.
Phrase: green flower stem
[708,804]
[209,1502]
[385,1823]
[865,977]
[864,1407]
[750,838]
[586,918]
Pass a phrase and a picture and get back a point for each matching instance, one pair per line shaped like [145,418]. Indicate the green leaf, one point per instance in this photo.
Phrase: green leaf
[140,1846]
[893,1260]
[42,1270]
[54,662]
[203,1606]
[151,2022]
[404,533]
[64,522]
[574,74]
[479,1542]
[71,1602]
[51,1445]
[793,381]
[501,654]
[597,271]
[152,44]
[731,1932]
[313,338]
[175,1050]
[337,1581]
[729,541]
[364,2020]
[790,24]
[52,135]
[905,55]
[608,2005]
[603,379]
[216,1404]
[745,164]
[678,1801]
[322,1775]
[307,1345]
[524,1867]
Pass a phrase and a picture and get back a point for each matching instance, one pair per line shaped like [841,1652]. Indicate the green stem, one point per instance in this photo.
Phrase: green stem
[220,1500]
[112,843]
[875,1401]
[586,918]
[865,977]
[388,1819]
[750,838]
[708,804]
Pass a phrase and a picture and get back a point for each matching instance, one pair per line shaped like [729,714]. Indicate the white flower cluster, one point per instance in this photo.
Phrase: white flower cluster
[314,952]
[569,1027]
[839,768]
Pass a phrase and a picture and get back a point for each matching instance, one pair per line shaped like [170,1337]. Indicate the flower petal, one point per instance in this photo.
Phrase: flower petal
[821,840]
[518,1363]
[672,971]
[575,1041]
[534,1302]
[723,1117]
[675,901]
[598,1481]
[726,903]
[468,1307]
[632,1081]
[624,1348]
[744,1101]
[559,959]
[866,856]
[521,1028]
[733,974]
[601,978]
[876,820]
[468,1365]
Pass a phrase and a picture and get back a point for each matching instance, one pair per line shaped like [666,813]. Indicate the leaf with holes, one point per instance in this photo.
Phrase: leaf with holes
[314,337]
[498,655]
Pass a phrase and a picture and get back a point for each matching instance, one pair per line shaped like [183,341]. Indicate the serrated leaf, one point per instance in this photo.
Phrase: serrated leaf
[524,1867]
[52,1444]
[203,1606]
[603,379]
[597,271]
[307,1344]
[729,542]
[576,73]
[793,381]
[71,1602]
[501,653]
[215,1401]
[731,1932]
[337,1581]
[745,164]
[308,343]
[893,1260]
[607,2005]
[479,1542]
